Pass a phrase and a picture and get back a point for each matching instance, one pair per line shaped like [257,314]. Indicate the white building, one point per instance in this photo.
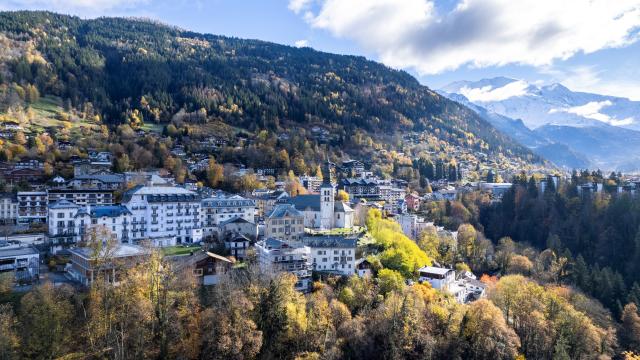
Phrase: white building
[334,254]
[8,209]
[70,223]
[165,215]
[413,225]
[22,261]
[223,207]
[283,256]
[439,278]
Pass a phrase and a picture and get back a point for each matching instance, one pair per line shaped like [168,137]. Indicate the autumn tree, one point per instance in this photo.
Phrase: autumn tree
[486,334]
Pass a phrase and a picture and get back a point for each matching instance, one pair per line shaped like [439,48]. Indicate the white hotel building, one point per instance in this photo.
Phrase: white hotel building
[165,215]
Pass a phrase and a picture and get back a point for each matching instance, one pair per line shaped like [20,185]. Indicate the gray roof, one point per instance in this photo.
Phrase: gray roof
[234,220]
[105,178]
[341,206]
[19,251]
[63,204]
[305,202]
[220,199]
[161,193]
[122,250]
[434,270]
[284,210]
[329,241]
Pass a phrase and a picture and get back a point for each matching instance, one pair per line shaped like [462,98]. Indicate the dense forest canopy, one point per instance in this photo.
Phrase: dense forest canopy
[134,71]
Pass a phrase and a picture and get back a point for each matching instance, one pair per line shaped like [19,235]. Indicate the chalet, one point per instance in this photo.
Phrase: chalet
[363,267]
[237,244]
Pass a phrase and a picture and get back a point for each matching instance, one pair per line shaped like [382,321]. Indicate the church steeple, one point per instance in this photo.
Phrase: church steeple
[327,177]
[327,198]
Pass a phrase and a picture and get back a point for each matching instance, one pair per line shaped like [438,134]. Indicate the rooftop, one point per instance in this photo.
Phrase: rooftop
[121,250]
[434,270]
[284,210]
[63,204]
[20,251]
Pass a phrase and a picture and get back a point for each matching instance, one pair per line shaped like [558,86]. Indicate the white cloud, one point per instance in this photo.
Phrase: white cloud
[593,80]
[302,43]
[298,5]
[80,7]
[477,33]
[591,110]
[488,93]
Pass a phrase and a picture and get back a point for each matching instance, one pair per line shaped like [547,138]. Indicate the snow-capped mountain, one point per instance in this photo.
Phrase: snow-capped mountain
[548,105]
[571,129]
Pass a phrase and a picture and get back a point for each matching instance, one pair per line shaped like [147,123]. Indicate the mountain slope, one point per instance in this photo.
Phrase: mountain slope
[129,69]
[607,147]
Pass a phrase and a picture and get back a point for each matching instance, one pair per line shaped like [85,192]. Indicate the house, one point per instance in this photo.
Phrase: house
[237,244]
[439,278]
[206,266]
[266,201]
[165,215]
[332,254]
[363,268]
[311,183]
[8,209]
[285,222]
[352,168]
[222,207]
[496,189]
[238,225]
[361,188]
[98,181]
[412,225]
[22,261]
[87,265]
[413,202]
[286,256]
[28,175]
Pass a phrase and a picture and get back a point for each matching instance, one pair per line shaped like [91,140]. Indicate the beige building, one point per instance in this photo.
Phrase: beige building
[284,223]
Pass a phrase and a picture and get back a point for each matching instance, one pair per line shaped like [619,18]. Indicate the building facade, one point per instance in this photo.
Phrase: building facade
[223,207]
[284,223]
[8,209]
[164,215]
[332,254]
[32,206]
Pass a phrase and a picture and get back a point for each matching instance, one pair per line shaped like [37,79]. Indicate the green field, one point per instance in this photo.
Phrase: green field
[179,250]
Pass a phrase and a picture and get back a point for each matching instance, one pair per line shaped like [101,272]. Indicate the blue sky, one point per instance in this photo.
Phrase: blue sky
[591,47]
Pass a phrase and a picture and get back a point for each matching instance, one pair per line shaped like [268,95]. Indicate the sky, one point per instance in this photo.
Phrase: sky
[587,45]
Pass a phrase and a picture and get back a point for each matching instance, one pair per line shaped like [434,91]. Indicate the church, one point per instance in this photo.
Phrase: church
[321,211]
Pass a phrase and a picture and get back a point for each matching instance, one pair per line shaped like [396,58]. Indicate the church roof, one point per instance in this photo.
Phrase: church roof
[305,202]
[341,206]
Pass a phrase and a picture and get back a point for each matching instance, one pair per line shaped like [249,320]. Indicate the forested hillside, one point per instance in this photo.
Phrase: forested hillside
[152,76]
